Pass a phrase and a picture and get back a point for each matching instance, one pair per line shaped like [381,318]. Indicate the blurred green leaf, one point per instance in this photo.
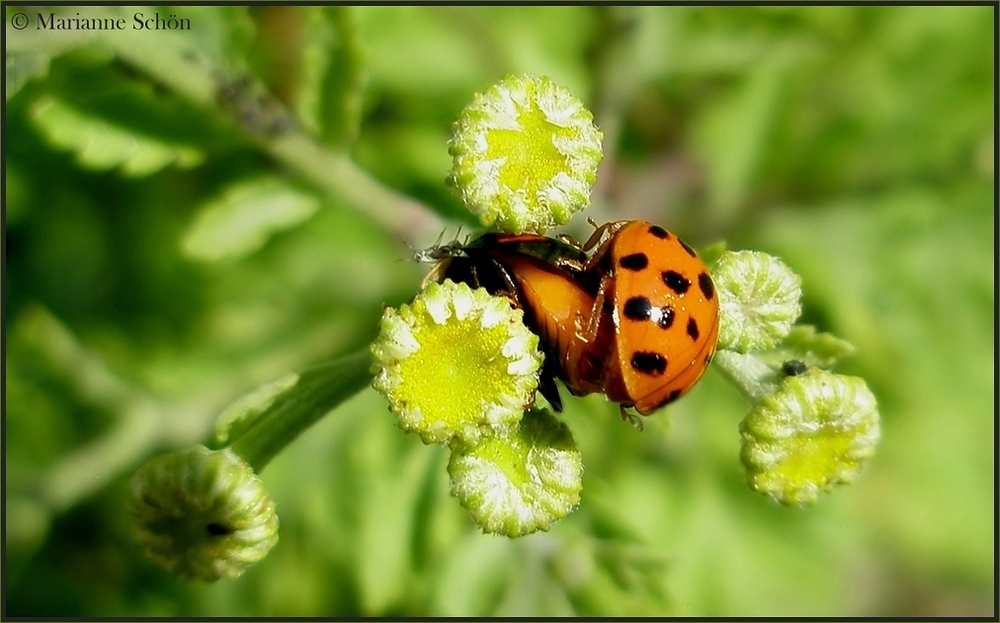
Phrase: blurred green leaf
[244,217]
[100,145]
[19,68]
[411,51]
[473,576]
[750,113]
[811,347]
[344,81]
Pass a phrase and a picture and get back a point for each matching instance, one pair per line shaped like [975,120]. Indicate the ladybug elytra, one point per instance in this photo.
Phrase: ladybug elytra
[664,310]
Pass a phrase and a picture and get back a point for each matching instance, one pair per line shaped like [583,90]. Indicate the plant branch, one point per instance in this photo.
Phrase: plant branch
[317,391]
[168,58]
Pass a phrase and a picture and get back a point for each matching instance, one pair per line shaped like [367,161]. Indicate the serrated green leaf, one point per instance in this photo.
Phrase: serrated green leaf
[813,348]
[102,145]
[243,219]
[823,350]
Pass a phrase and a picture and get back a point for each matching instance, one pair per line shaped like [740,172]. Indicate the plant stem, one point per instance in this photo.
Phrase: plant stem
[409,220]
[167,58]
[317,391]
[748,372]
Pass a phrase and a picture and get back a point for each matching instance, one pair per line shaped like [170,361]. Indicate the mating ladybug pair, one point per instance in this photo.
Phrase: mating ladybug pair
[632,312]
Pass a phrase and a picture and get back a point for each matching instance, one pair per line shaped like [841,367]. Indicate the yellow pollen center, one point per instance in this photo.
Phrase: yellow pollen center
[531,158]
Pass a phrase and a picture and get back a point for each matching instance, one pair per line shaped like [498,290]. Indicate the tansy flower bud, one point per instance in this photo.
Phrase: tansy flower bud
[759,300]
[203,514]
[519,484]
[456,363]
[525,155]
[817,430]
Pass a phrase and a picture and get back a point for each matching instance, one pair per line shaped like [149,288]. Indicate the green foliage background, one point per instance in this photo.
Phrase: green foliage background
[169,248]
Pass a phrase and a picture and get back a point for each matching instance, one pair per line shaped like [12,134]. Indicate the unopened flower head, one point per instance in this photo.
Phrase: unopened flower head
[759,300]
[817,430]
[525,155]
[521,483]
[456,363]
[202,514]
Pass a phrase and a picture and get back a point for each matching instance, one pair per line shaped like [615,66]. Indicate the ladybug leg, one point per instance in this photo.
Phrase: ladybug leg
[631,418]
[569,241]
[509,289]
[596,237]
[547,385]
[597,311]
[570,264]
[599,231]
[473,276]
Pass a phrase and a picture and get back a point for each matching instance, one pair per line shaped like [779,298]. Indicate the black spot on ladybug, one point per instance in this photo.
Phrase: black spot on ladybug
[634,261]
[689,250]
[672,396]
[649,363]
[692,329]
[676,281]
[659,232]
[663,316]
[637,308]
[793,367]
[706,285]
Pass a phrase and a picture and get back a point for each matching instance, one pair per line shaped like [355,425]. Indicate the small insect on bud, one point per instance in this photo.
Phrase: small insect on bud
[456,364]
[525,155]
[204,514]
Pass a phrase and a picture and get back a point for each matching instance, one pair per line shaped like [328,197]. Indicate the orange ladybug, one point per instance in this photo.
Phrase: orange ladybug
[664,311]
[637,319]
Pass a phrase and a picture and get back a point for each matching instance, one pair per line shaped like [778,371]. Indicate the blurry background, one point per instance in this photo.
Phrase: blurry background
[164,256]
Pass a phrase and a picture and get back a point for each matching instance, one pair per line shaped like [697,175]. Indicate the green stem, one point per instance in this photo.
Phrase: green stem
[408,219]
[754,377]
[317,391]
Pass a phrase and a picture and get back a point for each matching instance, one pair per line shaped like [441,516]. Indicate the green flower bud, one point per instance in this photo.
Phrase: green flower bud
[202,514]
[817,430]
[759,300]
[525,155]
[521,483]
[456,363]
